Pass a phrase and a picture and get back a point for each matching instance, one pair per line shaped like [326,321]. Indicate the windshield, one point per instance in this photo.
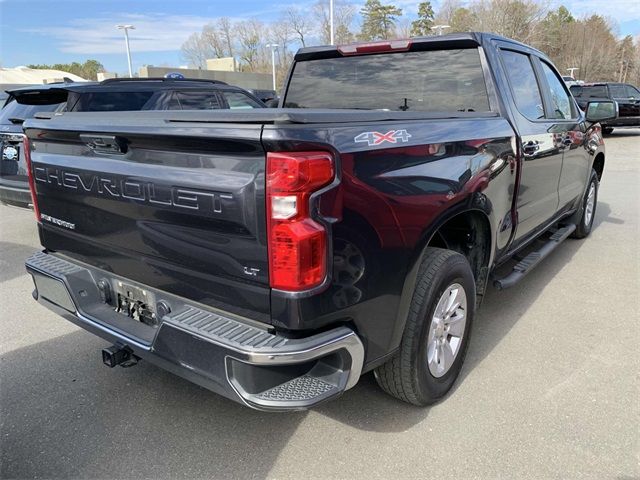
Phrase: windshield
[15,112]
[427,81]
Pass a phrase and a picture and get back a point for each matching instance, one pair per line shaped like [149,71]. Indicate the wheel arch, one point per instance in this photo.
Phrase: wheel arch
[598,165]
[445,229]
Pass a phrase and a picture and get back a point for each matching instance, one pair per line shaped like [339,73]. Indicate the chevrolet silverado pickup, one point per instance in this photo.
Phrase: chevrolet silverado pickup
[274,256]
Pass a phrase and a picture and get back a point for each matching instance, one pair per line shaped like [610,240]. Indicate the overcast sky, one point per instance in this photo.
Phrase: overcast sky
[60,31]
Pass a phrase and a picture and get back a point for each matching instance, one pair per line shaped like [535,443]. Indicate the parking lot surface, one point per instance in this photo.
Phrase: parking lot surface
[550,387]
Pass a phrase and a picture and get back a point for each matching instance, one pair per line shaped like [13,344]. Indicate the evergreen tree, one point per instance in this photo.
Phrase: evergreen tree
[422,26]
[378,20]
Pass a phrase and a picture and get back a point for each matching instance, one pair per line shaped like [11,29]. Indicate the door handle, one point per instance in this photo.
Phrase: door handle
[530,148]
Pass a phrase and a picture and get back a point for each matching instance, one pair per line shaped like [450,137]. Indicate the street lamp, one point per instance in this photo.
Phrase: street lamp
[439,28]
[273,47]
[126,28]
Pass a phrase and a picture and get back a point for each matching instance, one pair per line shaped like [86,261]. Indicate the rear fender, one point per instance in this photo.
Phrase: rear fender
[471,204]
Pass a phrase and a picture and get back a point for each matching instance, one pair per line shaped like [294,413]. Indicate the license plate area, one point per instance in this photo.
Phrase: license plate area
[136,303]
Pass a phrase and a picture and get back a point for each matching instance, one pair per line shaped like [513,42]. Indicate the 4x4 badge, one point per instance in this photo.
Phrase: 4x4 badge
[376,138]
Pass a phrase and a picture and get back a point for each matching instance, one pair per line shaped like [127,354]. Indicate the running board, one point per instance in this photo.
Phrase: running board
[529,262]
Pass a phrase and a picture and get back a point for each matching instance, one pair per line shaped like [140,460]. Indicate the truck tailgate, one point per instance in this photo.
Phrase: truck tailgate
[177,207]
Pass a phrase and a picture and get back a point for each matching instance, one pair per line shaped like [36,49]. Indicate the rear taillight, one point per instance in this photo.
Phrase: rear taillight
[32,183]
[297,243]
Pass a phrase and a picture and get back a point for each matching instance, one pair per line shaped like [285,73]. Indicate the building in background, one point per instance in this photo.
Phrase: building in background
[11,78]
[223,69]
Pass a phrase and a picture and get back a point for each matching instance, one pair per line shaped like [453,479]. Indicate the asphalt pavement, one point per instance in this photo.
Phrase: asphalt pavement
[550,387]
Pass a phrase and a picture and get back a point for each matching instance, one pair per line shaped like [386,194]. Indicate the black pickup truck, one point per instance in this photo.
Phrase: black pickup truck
[624,94]
[274,256]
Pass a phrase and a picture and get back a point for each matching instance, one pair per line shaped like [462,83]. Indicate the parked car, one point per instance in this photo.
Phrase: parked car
[273,256]
[626,95]
[110,95]
[264,95]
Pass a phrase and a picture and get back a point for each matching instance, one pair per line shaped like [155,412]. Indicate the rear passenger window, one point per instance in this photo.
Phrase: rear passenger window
[112,101]
[239,101]
[560,102]
[198,100]
[596,91]
[523,82]
[617,91]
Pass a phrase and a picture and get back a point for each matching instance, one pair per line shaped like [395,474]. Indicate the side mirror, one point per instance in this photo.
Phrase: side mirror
[601,111]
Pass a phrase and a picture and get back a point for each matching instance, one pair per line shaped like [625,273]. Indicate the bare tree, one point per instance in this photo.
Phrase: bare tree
[211,36]
[299,22]
[403,28]
[445,13]
[226,32]
[280,33]
[515,19]
[251,35]
[344,15]
[195,51]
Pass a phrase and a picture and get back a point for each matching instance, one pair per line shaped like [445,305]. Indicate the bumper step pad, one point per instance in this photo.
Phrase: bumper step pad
[300,388]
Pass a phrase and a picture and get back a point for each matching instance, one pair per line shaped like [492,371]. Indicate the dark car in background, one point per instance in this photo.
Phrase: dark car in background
[627,96]
[264,95]
[107,96]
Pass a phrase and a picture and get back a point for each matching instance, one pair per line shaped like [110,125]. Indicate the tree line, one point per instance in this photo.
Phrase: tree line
[88,70]
[588,44]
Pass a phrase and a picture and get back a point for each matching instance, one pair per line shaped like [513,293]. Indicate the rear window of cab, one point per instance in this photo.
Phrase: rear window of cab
[423,81]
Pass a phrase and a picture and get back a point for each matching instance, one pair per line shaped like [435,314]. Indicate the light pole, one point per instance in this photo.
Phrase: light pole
[126,29]
[439,28]
[571,70]
[331,34]
[273,47]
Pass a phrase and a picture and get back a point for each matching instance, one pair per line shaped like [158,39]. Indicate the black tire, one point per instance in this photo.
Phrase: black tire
[583,227]
[407,375]
[607,130]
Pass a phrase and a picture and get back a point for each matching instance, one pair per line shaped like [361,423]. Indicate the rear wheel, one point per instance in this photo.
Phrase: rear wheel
[436,333]
[583,218]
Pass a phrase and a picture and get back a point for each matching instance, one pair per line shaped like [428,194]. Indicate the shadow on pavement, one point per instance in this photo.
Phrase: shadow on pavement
[366,407]
[16,254]
[65,415]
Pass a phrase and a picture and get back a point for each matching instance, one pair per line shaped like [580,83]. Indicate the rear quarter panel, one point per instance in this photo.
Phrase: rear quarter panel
[392,196]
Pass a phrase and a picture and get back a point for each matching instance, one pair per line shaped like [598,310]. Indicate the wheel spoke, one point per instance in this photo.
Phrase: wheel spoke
[453,295]
[441,308]
[447,356]
[456,324]
[432,353]
[432,330]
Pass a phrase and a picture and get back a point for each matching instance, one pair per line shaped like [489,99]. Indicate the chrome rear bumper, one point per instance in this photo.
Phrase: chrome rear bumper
[242,360]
